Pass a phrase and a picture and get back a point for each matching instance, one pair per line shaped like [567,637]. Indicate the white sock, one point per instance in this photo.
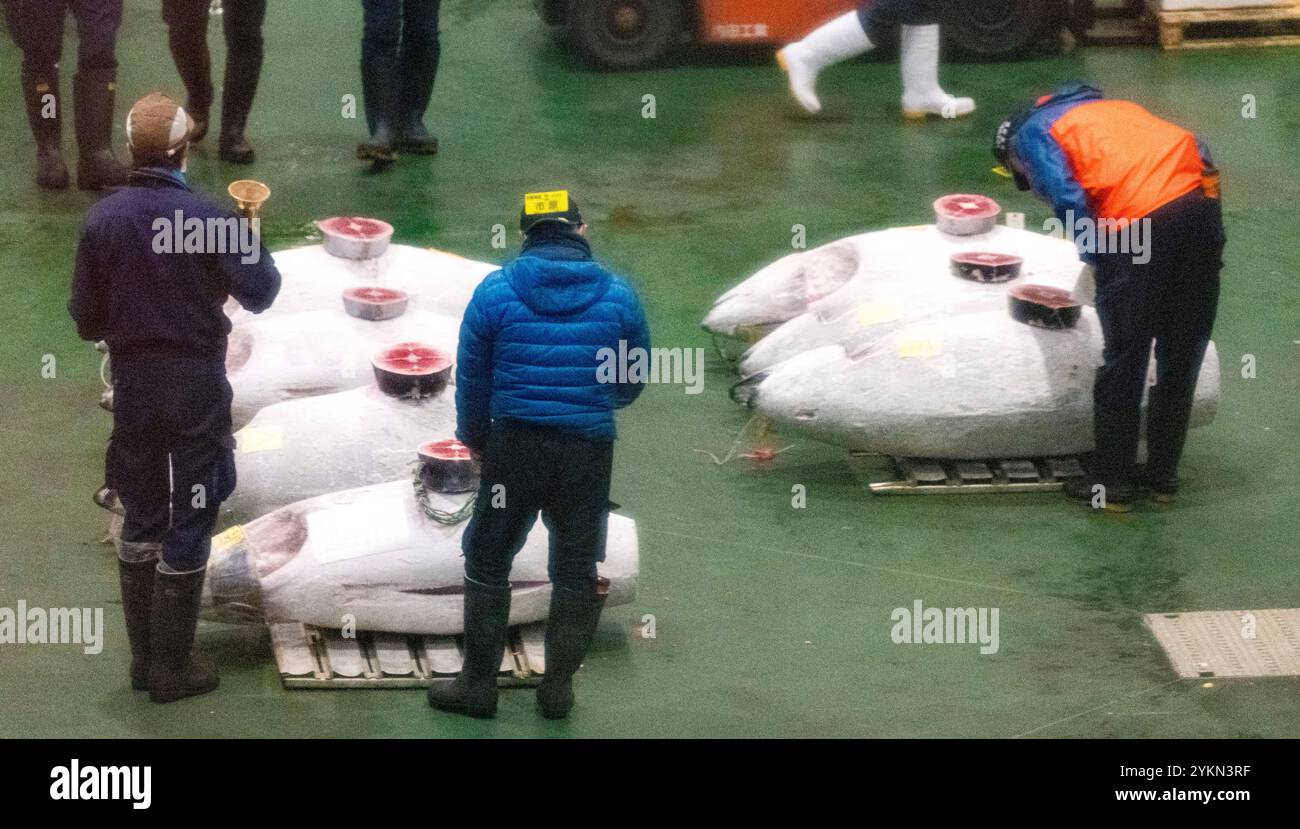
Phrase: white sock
[836,41]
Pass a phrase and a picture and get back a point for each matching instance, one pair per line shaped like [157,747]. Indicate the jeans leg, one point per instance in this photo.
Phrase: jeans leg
[97,25]
[187,38]
[381,41]
[245,53]
[37,28]
[421,51]
[505,511]
[1123,305]
[576,512]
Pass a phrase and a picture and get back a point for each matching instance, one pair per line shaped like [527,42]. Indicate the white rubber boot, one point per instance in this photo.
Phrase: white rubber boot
[838,40]
[922,94]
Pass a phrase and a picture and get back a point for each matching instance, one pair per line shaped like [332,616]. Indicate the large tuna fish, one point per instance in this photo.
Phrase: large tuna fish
[373,554]
[313,279]
[302,448]
[905,258]
[319,352]
[967,387]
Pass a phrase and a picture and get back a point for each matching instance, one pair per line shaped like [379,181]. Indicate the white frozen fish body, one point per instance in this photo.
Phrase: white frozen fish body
[299,449]
[791,285]
[372,555]
[319,352]
[783,289]
[313,279]
[878,300]
[974,386]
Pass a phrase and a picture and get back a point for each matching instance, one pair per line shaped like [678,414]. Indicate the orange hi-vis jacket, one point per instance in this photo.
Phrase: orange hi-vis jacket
[1105,159]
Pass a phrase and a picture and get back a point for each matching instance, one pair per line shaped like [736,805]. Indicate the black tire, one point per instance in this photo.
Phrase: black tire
[1000,28]
[625,34]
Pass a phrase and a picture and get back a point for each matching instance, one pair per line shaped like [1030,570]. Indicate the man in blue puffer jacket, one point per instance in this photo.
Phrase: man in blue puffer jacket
[532,406]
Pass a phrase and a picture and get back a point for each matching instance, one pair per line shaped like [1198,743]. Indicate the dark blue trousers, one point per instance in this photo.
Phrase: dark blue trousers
[37,28]
[1171,300]
[171,460]
[400,49]
[539,469]
[881,18]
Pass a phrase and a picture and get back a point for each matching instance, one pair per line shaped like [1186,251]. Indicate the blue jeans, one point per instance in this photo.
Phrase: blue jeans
[400,48]
[37,27]
[540,469]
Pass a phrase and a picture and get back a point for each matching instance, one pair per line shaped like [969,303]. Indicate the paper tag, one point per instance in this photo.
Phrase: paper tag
[874,313]
[1016,221]
[225,540]
[555,201]
[250,439]
[355,530]
[919,348]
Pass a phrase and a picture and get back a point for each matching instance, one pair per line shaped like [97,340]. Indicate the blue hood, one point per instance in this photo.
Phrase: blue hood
[553,284]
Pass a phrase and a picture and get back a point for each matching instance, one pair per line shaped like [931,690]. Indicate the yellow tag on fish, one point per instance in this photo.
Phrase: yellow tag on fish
[225,540]
[915,349]
[556,201]
[874,313]
[251,439]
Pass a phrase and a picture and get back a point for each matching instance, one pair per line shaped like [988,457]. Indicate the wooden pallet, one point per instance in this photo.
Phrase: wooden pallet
[312,657]
[1174,24]
[925,476]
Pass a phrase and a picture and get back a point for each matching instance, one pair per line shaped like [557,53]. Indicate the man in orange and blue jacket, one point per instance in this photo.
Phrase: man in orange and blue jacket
[1114,165]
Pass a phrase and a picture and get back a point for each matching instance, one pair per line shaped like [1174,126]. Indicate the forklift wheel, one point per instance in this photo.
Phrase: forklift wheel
[625,34]
[1001,28]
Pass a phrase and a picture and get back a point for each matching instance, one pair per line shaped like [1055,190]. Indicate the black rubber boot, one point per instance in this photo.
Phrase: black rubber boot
[1112,498]
[93,92]
[51,172]
[243,70]
[487,621]
[379,85]
[1113,462]
[419,69]
[137,580]
[569,628]
[175,670]
[1167,422]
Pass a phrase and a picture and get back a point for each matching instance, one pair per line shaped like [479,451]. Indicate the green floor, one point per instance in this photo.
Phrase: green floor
[770,621]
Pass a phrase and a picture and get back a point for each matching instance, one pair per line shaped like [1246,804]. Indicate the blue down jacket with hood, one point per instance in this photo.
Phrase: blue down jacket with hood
[531,342]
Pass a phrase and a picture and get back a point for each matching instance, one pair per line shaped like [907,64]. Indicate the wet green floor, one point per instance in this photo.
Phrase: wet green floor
[769,620]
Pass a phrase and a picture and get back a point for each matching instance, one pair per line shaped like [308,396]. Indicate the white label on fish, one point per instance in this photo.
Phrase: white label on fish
[355,530]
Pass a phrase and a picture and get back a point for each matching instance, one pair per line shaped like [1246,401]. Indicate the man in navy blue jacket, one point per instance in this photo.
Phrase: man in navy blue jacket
[531,404]
[155,265]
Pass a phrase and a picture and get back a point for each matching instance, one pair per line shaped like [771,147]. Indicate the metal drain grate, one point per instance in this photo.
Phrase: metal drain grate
[1225,643]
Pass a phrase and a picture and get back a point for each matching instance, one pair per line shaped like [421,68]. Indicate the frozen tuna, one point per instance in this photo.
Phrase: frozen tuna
[373,557]
[319,352]
[904,258]
[965,387]
[299,449]
[314,279]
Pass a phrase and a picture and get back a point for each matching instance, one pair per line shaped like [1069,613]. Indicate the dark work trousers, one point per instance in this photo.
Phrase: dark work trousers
[171,460]
[37,28]
[400,50]
[536,468]
[881,18]
[187,36]
[1173,300]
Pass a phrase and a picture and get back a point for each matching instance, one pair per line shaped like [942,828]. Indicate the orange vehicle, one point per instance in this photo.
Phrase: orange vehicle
[631,33]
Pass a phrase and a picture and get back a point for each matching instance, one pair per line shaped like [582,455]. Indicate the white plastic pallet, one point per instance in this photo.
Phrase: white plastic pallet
[312,657]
